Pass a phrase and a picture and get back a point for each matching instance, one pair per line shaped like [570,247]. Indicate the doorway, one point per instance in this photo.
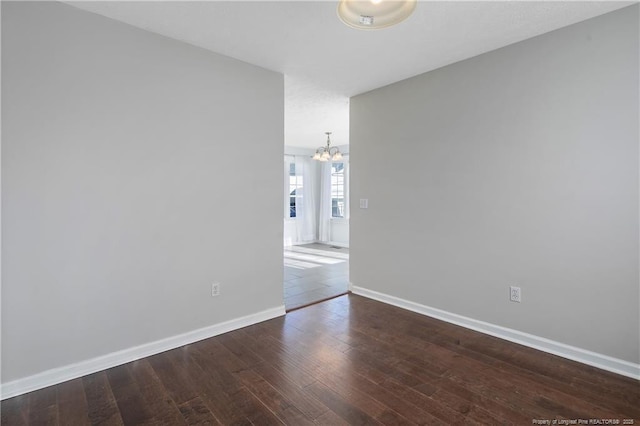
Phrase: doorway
[316,228]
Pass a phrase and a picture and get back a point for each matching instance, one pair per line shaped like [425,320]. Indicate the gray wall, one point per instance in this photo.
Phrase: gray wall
[136,170]
[519,166]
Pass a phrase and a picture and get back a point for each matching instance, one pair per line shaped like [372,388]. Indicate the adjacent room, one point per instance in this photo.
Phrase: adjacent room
[320,212]
[316,222]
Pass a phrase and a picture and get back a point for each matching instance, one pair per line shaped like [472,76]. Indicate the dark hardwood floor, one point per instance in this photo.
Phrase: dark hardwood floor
[349,360]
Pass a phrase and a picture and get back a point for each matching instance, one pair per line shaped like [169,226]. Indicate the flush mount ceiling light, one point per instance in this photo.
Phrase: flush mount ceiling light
[374,14]
[325,152]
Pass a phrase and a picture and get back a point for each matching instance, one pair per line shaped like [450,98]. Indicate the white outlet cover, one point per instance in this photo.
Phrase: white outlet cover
[215,289]
[515,294]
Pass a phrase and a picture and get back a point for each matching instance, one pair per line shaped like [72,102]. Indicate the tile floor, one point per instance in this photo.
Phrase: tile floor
[314,272]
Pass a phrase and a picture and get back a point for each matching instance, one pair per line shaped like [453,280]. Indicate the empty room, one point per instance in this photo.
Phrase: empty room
[320,212]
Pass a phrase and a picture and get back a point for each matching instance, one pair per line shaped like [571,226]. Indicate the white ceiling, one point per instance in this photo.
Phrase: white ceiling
[325,62]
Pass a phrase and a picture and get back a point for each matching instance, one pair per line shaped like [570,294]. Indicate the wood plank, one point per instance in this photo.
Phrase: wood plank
[248,357]
[128,395]
[237,398]
[329,418]
[271,351]
[340,406]
[241,361]
[43,407]
[277,403]
[328,367]
[208,387]
[15,411]
[101,403]
[175,380]
[419,411]
[298,395]
[72,403]
[156,397]
[419,368]
[329,371]
[288,379]
[180,387]
[196,412]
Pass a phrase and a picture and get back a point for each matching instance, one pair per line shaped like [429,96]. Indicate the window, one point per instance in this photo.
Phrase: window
[338,199]
[295,189]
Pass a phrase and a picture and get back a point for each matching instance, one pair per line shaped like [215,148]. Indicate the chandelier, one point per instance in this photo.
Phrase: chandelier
[325,152]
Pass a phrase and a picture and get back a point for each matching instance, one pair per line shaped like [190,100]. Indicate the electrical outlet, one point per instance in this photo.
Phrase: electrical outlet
[215,289]
[514,294]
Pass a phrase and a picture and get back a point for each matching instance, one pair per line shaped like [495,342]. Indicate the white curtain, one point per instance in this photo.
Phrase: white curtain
[305,205]
[324,221]
[288,235]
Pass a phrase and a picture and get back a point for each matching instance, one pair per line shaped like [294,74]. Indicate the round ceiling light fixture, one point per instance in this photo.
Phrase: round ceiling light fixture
[374,14]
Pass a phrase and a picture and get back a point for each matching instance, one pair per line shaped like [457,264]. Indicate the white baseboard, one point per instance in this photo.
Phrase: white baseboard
[584,356]
[337,244]
[73,371]
[301,243]
[326,243]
